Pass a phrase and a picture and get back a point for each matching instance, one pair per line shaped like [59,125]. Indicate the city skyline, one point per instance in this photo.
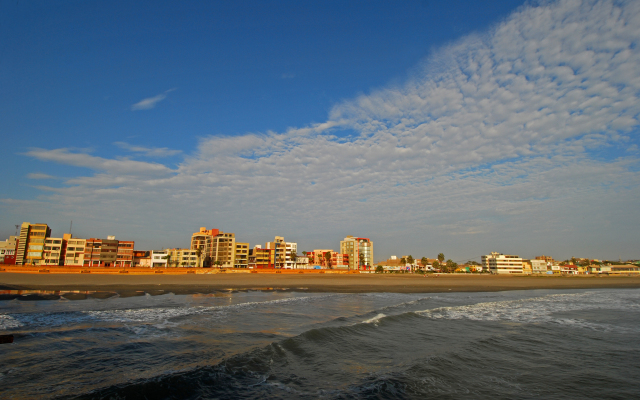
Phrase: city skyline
[461,128]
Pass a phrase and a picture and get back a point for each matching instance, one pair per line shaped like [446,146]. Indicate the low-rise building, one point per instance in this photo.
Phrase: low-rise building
[141,258]
[498,263]
[8,250]
[181,257]
[538,266]
[158,258]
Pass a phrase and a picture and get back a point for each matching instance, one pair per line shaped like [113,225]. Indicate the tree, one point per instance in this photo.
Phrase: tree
[424,262]
[168,258]
[199,253]
[436,264]
[410,260]
[441,257]
[304,253]
[207,262]
[451,266]
[379,269]
[327,257]
[361,259]
[403,261]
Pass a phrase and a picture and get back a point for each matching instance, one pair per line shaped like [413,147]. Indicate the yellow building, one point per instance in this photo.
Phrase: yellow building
[31,243]
[242,255]
[75,251]
[181,257]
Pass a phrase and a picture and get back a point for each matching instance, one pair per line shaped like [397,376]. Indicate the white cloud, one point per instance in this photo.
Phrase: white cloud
[486,148]
[150,102]
[148,151]
[39,175]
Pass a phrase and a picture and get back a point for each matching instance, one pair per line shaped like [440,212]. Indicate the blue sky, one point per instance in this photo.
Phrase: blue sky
[463,127]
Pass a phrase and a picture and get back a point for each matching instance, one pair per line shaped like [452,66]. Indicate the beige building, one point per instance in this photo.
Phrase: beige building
[538,266]
[499,263]
[74,254]
[54,250]
[31,243]
[217,248]
[181,257]
[359,252]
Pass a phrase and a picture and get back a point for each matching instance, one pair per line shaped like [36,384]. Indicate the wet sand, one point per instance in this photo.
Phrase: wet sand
[343,283]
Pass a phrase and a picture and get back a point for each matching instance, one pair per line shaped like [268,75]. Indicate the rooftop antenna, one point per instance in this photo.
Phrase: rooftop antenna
[17,229]
[70,225]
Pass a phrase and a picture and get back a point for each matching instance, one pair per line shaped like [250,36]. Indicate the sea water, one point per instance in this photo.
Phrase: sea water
[286,344]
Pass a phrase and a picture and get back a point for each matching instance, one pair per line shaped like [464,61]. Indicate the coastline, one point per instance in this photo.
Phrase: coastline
[343,283]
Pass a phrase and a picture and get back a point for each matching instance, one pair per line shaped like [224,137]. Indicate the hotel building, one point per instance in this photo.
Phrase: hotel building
[499,263]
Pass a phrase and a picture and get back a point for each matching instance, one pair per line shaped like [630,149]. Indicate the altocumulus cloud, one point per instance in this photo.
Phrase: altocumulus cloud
[493,134]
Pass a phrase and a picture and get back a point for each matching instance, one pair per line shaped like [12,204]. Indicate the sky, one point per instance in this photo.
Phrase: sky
[460,127]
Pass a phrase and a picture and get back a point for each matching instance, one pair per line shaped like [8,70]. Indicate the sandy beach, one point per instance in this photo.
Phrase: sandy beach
[352,283]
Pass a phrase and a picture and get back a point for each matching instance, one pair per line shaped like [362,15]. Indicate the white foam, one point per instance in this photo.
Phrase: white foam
[8,322]
[542,309]
[374,320]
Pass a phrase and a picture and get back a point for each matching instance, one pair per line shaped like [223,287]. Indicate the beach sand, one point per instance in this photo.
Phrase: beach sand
[336,283]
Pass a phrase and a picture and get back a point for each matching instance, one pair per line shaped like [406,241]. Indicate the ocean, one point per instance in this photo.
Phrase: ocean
[549,344]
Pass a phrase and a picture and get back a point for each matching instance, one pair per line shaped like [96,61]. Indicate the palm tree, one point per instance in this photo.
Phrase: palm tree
[327,257]
[424,262]
[168,258]
[199,253]
[441,257]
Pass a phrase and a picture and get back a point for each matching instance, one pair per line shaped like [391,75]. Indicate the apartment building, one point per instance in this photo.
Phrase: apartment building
[291,253]
[217,248]
[158,258]
[317,257]
[538,266]
[279,247]
[8,250]
[74,254]
[182,257]
[499,263]
[359,251]
[260,258]
[54,249]
[108,252]
[242,255]
[30,247]
[125,253]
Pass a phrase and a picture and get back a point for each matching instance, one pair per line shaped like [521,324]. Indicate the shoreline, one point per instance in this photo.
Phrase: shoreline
[338,283]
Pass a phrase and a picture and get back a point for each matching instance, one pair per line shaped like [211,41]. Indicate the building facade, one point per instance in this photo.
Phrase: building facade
[499,263]
[359,251]
[30,244]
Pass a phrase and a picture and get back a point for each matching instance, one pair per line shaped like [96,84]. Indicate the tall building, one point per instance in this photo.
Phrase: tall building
[30,246]
[242,255]
[217,248]
[359,250]
[499,263]
[279,255]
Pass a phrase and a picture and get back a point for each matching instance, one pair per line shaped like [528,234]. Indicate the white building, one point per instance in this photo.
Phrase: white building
[498,263]
[158,258]
[291,253]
